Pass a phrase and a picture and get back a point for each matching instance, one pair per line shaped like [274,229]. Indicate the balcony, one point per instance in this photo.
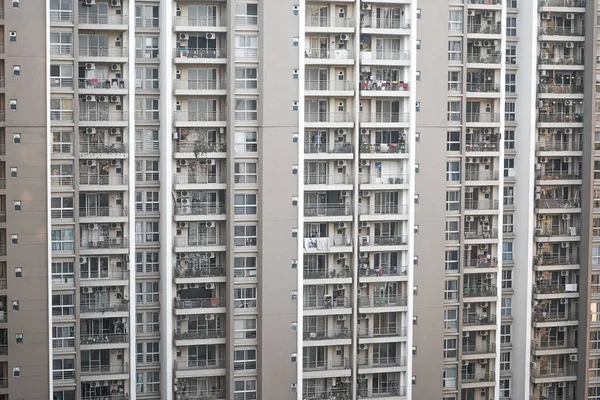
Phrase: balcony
[482,262]
[324,365]
[483,88]
[482,117]
[321,244]
[335,394]
[559,146]
[540,316]
[337,179]
[562,204]
[329,54]
[95,85]
[380,271]
[384,148]
[99,212]
[102,116]
[481,205]
[326,22]
[325,273]
[387,331]
[385,57]
[478,377]
[200,147]
[385,390]
[103,52]
[199,22]
[202,334]
[200,117]
[484,58]
[56,116]
[552,344]
[559,89]
[325,302]
[103,339]
[183,365]
[562,4]
[328,150]
[485,29]
[95,308]
[102,180]
[558,175]
[193,86]
[480,291]
[384,118]
[201,241]
[333,117]
[105,242]
[384,209]
[398,240]
[199,178]
[382,301]
[479,348]
[554,371]
[560,31]
[208,303]
[383,179]
[385,23]
[327,334]
[321,86]
[549,259]
[56,83]
[546,59]
[375,362]
[549,289]
[181,272]
[194,56]
[475,319]
[109,149]
[557,231]
[102,19]
[556,117]
[327,210]
[200,208]
[481,175]
[482,234]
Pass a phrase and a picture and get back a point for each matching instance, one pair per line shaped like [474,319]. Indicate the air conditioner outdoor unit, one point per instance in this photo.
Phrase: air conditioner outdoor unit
[563,301]
[469,218]
[184,36]
[115,67]
[341,317]
[343,37]
[465,363]
[488,14]
[364,254]
[341,225]
[92,226]
[545,45]
[468,189]
[545,16]
[114,226]
[341,256]
[539,231]
[364,131]
[566,216]
[489,275]
[477,43]
[470,13]
[115,99]
[569,45]
[573,357]
[541,217]
[90,131]
[362,346]
[466,334]
[114,241]
[182,225]
[82,260]
[210,224]
[210,35]
[544,56]
[182,163]
[540,245]
[362,285]
[487,43]
[210,286]
[365,193]
[90,66]
[90,97]
[102,99]
[566,159]
[91,163]
[115,3]
[543,160]
[570,16]
[365,163]
[564,245]
[340,287]
[114,131]
[467,247]
[540,274]
[366,6]
[564,273]
[341,163]
[364,316]
[561,384]
[87,290]
[210,255]
[483,247]
[210,161]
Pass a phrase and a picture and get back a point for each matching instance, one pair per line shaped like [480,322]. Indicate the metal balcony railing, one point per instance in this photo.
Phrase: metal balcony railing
[481,234]
[482,262]
[397,240]
[328,148]
[186,304]
[327,210]
[198,272]
[199,364]
[105,242]
[201,21]
[557,231]
[566,60]
[385,23]
[383,331]
[206,240]
[478,377]
[199,84]
[103,307]
[482,175]
[384,179]
[56,49]
[105,338]
[559,146]
[326,334]
[483,87]
[202,334]
[481,204]
[329,54]
[198,394]
[479,348]
[104,274]
[324,364]
[384,271]
[63,343]
[201,53]
[481,58]
[558,203]
[549,174]
[55,115]
[551,371]
[319,302]
[393,209]
[394,86]
[328,117]
[102,180]
[103,52]
[550,344]
[381,361]
[383,148]
[560,31]
[324,243]
[336,179]
[391,389]
[480,291]
[334,394]
[200,208]
[324,273]
[200,147]
[102,116]
[473,319]
[553,316]
[200,116]
[487,29]
[103,19]
[57,82]
[547,288]
[482,117]
[562,3]
[102,148]
[100,84]
[103,369]
[326,22]
[383,301]
[199,178]
[560,89]
[559,117]
[384,117]
[323,85]
[111,211]
[549,259]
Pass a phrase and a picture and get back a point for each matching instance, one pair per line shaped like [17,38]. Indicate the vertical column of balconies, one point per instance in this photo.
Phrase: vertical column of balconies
[558,200]
[373,202]
[90,197]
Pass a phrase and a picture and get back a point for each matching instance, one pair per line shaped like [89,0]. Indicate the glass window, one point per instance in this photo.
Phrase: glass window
[452,258]
[449,377]
[510,111]
[245,204]
[505,361]
[450,348]
[511,83]
[452,200]
[246,109]
[246,46]
[450,319]
[506,306]
[511,26]
[511,55]
[455,81]
[455,20]
[246,78]
[453,171]
[507,275]
[509,139]
[246,14]
[454,111]
[452,230]
[244,328]
[455,51]
[63,239]
[507,251]
[507,223]
[453,141]
[505,334]
[244,359]
[451,290]
[245,389]
[245,172]
[244,297]
[62,305]
[246,142]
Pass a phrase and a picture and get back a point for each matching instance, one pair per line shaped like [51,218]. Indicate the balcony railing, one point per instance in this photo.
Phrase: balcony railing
[560,31]
[103,19]
[330,117]
[383,148]
[479,348]
[473,319]
[482,117]
[102,116]
[562,3]
[560,89]
[111,211]
[103,52]
[383,331]
[543,288]
[200,208]
[103,307]
[206,240]
[323,85]
[553,316]
[324,365]
[388,55]
[387,390]
[394,86]
[327,210]
[481,204]
[381,361]
[384,117]
[557,203]
[337,179]
[484,58]
[329,54]
[398,240]
[482,175]
[482,262]
[551,371]
[63,343]
[198,272]
[558,231]
[324,273]
[104,274]
[383,301]
[200,147]
[326,22]
[326,334]
[480,291]
[324,243]
[383,271]
[206,116]
[483,87]
[481,234]
[383,179]
[478,377]
[199,364]
[101,84]
[488,29]
[319,302]
[103,369]
[200,84]
[202,334]
[201,21]
[55,115]
[391,209]
[57,82]
[105,242]
[566,60]
[550,117]
[201,53]
[102,180]
[186,304]
[199,178]
[385,23]
[559,146]
[328,148]
[555,260]
[106,338]
[558,175]
[550,344]
[102,148]
[334,394]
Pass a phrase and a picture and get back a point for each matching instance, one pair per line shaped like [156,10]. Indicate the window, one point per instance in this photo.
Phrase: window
[246,109]
[14,239]
[510,111]
[245,172]
[246,78]
[505,361]
[61,109]
[146,262]
[450,319]
[511,26]
[61,43]
[148,352]
[16,372]
[450,348]
[15,3]
[244,359]
[147,171]
[454,111]
[244,328]
[246,14]
[147,201]
[61,207]
[12,104]
[449,377]
[146,78]
[509,167]
[452,200]
[147,109]
[512,4]
[147,322]
[63,337]
[504,386]
[245,235]
[146,47]
[509,195]
[244,297]
[510,83]
[63,272]
[18,272]
[147,382]
[17,138]
[19,338]
[246,142]
[63,368]
[507,251]
[61,10]
[451,290]
[451,262]
[507,223]
[246,46]
[14,172]
[147,292]
[17,205]
[244,267]
[245,389]
[505,334]
[12,36]
[147,140]
[15,305]
[506,306]
[146,16]
[511,55]
[63,239]
[507,276]
[62,305]
[509,140]
[455,51]
[452,230]
[455,81]
[62,142]
[455,20]
[245,204]
[453,141]
[147,232]
[453,171]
